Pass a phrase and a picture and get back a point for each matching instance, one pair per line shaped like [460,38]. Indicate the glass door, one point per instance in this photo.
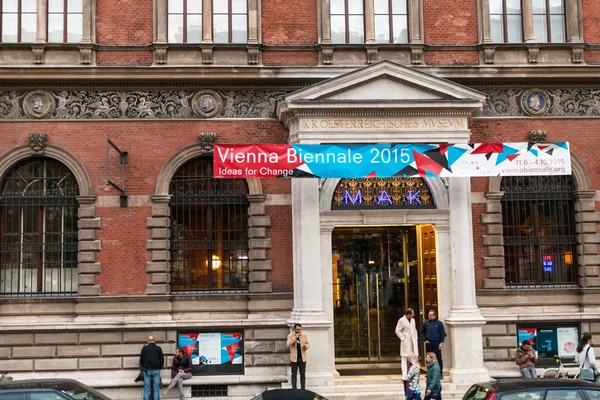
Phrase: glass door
[375,278]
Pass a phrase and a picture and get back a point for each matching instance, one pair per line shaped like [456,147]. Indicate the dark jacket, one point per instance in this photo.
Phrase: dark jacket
[522,358]
[433,376]
[433,331]
[151,357]
[184,363]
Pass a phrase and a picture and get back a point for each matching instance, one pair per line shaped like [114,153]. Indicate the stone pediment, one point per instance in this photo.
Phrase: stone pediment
[386,81]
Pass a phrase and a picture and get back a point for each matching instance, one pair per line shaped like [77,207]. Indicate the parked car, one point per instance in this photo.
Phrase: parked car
[288,394]
[534,389]
[48,389]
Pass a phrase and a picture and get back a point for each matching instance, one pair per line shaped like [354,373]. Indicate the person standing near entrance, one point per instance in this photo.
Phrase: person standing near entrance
[151,362]
[298,343]
[406,330]
[433,334]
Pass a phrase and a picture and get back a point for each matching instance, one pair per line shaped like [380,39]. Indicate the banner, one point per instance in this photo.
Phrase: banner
[391,160]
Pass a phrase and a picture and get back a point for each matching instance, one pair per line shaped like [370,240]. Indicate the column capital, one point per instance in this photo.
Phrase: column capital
[494,196]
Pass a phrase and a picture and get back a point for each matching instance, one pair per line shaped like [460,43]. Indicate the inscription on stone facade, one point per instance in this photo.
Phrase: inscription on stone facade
[403,123]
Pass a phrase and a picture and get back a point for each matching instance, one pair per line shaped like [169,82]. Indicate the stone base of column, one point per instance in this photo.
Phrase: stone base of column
[466,336]
[319,373]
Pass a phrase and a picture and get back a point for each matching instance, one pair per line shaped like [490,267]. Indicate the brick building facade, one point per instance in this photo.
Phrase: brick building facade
[86,279]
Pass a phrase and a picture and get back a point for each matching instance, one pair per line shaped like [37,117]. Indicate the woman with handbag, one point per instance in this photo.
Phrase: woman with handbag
[586,358]
[434,375]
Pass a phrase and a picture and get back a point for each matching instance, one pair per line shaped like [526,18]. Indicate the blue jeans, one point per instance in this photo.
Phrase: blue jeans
[152,377]
[528,372]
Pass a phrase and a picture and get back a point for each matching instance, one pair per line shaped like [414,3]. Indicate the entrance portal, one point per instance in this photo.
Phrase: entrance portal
[378,272]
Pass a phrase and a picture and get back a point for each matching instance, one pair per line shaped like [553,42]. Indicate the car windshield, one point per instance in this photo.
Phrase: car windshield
[79,391]
[476,393]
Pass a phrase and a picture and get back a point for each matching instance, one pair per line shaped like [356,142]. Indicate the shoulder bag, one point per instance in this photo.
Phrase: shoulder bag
[586,374]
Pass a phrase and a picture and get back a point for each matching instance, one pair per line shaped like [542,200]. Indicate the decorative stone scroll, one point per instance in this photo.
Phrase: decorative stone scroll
[73,105]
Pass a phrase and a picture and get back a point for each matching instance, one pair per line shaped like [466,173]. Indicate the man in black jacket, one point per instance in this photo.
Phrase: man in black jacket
[151,362]
[433,334]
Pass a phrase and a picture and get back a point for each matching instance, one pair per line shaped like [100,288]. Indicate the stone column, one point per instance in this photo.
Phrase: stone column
[207,22]
[325,22]
[527,15]
[444,279]
[87,22]
[327,284]
[370,22]
[308,282]
[42,22]
[161,21]
[465,320]
[573,18]
[415,21]
[486,29]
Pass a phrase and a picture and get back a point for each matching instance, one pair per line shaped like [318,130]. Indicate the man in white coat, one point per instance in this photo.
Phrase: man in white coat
[406,330]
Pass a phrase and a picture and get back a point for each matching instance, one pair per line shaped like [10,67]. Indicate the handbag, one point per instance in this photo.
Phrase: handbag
[436,393]
[586,374]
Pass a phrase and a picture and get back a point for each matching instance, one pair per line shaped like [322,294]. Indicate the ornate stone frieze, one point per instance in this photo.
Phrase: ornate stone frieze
[138,104]
[535,102]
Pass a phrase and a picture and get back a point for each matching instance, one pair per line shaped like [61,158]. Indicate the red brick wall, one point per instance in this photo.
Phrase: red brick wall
[591,20]
[302,58]
[580,133]
[150,145]
[452,57]
[124,22]
[120,58]
[450,22]
[288,23]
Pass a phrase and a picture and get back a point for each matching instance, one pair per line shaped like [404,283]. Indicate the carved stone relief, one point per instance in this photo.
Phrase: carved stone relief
[37,141]
[138,104]
[552,102]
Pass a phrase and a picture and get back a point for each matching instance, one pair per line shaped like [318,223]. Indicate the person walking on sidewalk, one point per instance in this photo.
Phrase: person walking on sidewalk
[180,369]
[433,334]
[151,362]
[434,373]
[412,384]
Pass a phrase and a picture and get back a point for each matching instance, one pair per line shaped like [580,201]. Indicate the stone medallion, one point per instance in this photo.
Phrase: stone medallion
[38,104]
[207,103]
[535,102]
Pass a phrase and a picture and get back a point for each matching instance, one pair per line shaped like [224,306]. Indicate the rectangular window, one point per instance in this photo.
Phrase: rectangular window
[230,21]
[347,21]
[506,21]
[19,21]
[391,27]
[549,21]
[65,21]
[184,21]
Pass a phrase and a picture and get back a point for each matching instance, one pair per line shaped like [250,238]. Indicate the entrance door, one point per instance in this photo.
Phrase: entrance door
[428,260]
[375,278]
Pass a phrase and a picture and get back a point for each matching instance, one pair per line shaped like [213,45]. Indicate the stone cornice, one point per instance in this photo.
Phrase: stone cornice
[191,76]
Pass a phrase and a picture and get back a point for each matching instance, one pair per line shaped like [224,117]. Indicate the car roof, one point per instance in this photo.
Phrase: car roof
[503,385]
[30,383]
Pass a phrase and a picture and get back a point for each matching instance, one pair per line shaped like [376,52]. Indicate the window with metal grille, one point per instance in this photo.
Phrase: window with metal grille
[38,235]
[538,216]
[209,230]
[209,391]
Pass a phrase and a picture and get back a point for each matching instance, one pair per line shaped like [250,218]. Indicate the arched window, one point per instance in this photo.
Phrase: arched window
[381,193]
[538,216]
[209,230]
[38,235]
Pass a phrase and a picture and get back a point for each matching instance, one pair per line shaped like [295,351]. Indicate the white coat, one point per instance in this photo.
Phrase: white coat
[407,332]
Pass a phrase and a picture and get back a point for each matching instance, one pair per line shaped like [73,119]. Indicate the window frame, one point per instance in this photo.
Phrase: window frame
[505,21]
[230,15]
[548,18]
[347,22]
[65,14]
[391,23]
[560,237]
[184,15]
[19,22]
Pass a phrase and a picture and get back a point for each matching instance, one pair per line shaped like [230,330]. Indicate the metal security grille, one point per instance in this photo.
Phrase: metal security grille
[538,216]
[38,235]
[209,230]
[209,391]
